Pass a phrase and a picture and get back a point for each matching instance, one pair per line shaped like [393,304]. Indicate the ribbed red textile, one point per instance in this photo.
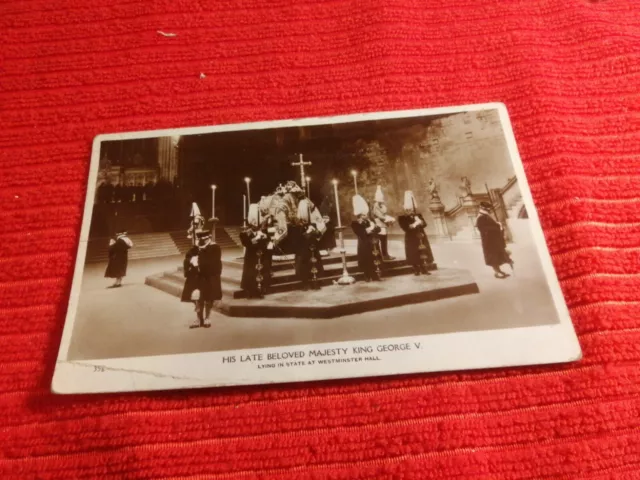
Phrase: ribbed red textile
[569,72]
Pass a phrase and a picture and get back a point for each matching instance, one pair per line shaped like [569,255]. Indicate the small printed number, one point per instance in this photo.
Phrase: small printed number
[97,368]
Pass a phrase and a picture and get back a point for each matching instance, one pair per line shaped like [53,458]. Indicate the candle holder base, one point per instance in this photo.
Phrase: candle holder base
[346,279]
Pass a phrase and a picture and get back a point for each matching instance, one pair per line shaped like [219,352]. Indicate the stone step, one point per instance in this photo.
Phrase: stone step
[172,282]
[290,264]
[329,279]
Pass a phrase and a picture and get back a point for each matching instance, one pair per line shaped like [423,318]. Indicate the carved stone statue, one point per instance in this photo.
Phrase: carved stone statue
[434,190]
[465,188]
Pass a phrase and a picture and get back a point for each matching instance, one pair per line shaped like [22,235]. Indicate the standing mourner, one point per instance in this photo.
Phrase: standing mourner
[328,212]
[118,258]
[416,244]
[369,255]
[268,225]
[494,246]
[308,234]
[208,285]
[255,269]
[383,221]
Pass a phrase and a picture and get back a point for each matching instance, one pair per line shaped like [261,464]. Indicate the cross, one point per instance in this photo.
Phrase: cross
[301,164]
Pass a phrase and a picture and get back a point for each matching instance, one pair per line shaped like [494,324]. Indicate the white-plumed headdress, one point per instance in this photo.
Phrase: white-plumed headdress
[303,210]
[360,206]
[409,200]
[195,211]
[253,217]
[379,195]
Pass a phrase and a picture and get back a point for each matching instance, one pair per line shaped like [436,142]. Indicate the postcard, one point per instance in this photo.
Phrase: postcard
[300,250]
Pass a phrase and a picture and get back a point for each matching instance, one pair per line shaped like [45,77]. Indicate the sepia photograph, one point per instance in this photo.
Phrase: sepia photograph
[378,240]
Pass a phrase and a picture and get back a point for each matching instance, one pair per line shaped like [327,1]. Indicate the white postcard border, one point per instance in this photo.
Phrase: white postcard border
[441,352]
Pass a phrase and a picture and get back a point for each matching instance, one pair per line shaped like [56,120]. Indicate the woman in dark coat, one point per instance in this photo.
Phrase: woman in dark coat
[369,254]
[494,246]
[416,244]
[118,258]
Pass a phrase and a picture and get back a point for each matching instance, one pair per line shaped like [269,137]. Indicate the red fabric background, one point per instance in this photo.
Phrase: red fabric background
[569,73]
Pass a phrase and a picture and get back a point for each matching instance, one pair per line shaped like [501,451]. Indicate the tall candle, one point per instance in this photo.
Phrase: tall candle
[244,207]
[213,201]
[247,180]
[335,190]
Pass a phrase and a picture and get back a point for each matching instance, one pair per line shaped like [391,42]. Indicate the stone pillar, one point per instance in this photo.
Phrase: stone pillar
[470,207]
[167,158]
[440,222]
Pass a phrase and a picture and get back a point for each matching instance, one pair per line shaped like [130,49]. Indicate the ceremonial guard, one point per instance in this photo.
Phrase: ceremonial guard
[197,221]
[369,255]
[118,258]
[416,244]
[309,230]
[255,270]
[383,221]
[494,246]
[207,287]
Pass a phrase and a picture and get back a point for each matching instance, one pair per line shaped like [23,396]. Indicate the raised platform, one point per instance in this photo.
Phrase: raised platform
[335,300]
[283,279]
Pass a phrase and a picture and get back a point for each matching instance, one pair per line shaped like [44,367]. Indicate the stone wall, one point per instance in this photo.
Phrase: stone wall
[468,144]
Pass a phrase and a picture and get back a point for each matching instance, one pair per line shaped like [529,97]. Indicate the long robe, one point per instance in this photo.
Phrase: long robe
[414,238]
[368,247]
[327,209]
[190,274]
[209,271]
[118,259]
[306,250]
[250,270]
[493,242]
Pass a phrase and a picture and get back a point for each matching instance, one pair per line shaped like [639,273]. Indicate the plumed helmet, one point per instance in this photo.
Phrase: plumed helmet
[409,200]
[379,197]
[360,206]
[303,211]
[253,216]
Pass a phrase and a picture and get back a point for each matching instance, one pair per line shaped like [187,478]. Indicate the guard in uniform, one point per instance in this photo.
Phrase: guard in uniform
[256,266]
[369,255]
[416,244]
[209,265]
[308,233]
[383,221]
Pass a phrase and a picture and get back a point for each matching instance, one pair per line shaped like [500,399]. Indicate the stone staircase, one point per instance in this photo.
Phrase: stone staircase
[183,243]
[145,245]
[152,245]
[514,207]
[284,278]
[519,227]
[234,234]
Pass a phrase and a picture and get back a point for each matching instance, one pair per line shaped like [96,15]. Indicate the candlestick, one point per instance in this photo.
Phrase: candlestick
[213,211]
[308,187]
[355,180]
[247,180]
[345,279]
[244,209]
